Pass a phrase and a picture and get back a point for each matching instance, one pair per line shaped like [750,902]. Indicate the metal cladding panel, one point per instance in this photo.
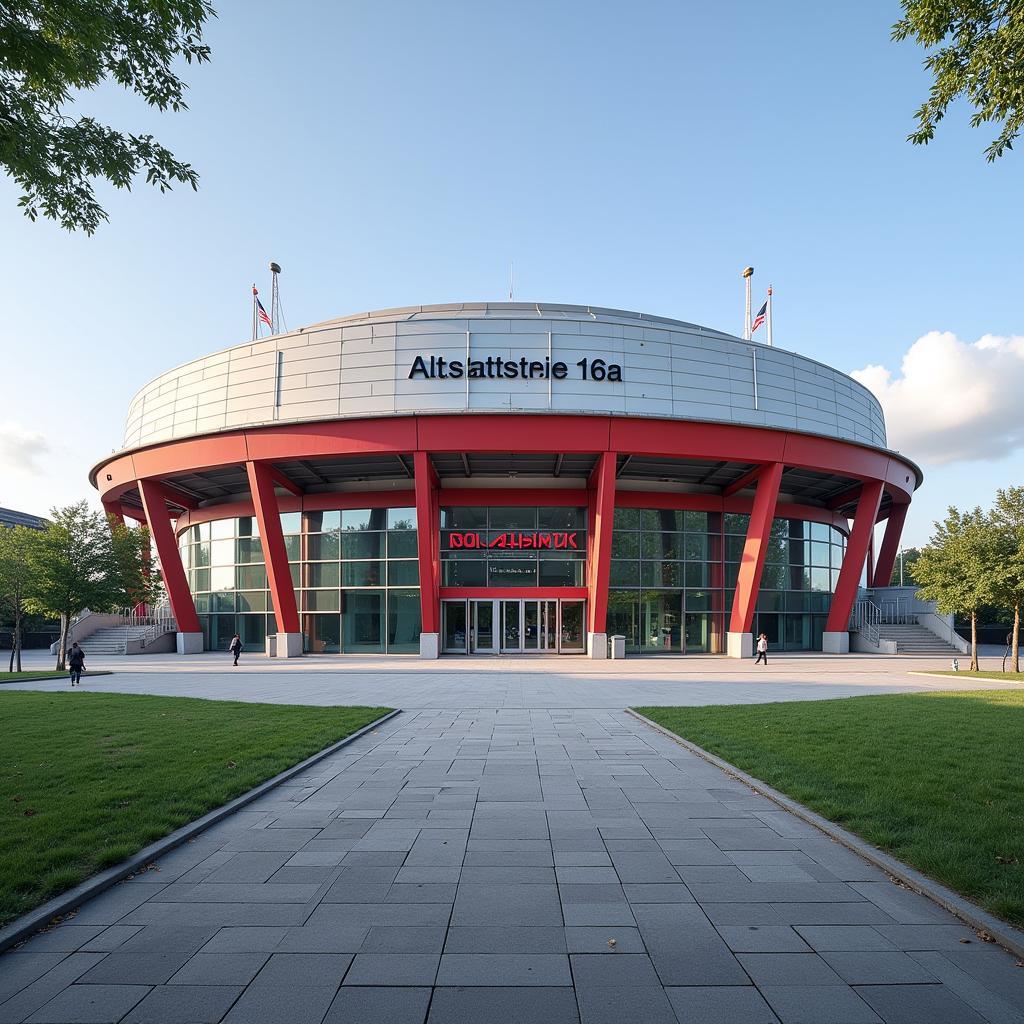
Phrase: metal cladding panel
[360,366]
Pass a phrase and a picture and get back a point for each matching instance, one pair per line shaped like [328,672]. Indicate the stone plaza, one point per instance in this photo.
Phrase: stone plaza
[512,848]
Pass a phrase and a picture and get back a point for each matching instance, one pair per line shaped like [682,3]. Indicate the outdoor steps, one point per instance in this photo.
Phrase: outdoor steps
[111,641]
[914,639]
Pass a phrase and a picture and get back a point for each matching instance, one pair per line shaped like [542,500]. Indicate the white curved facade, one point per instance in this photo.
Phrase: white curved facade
[359,366]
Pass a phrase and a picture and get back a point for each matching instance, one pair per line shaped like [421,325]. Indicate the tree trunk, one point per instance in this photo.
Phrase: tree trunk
[16,640]
[1015,640]
[974,641]
[62,646]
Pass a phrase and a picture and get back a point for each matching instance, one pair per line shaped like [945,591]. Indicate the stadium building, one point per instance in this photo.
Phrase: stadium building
[510,478]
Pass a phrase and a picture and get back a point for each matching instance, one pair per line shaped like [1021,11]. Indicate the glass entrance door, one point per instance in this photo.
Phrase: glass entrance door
[511,630]
[572,637]
[453,626]
[481,634]
[513,626]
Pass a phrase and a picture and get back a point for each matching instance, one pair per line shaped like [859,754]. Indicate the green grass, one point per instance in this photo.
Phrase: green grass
[1009,677]
[933,778]
[87,779]
[22,677]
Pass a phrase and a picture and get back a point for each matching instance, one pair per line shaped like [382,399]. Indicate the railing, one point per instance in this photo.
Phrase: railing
[898,612]
[865,619]
[156,622]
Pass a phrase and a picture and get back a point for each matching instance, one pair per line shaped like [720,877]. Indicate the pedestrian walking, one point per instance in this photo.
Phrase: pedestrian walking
[762,650]
[76,664]
[235,647]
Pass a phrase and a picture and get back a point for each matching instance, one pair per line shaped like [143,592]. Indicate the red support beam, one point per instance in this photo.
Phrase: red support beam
[890,546]
[268,515]
[747,480]
[154,502]
[427,540]
[748,583]
[602,483]
[853,561]
[113,511]
[282,481]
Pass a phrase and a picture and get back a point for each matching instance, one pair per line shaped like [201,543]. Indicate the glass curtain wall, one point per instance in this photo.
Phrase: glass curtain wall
[355,572]
[673,574]
[513,547]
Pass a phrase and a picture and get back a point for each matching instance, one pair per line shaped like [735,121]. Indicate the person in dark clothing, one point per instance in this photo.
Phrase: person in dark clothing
[76,664]
[235,647]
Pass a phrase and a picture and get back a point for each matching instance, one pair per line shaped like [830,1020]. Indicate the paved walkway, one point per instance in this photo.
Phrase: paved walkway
[508,866]
[523,681]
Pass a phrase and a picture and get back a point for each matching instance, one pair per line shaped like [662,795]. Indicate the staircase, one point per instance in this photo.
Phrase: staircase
[112,641]
[915,639]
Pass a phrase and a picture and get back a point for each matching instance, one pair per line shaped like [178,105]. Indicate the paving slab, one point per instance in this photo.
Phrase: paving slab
[516,866]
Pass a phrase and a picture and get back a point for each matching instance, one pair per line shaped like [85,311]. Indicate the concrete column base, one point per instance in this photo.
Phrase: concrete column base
[739,645]
[835,643]
[597,646]
[430,645]
[289,645]
[189,643]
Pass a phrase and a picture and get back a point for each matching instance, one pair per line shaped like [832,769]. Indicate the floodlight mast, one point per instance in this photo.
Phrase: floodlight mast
[748,273]
[275,299]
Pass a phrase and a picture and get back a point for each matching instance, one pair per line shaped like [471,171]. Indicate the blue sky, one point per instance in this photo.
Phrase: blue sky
[397,152]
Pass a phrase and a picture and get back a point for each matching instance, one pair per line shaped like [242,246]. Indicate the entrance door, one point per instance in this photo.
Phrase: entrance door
[571,634]
[549,634]
[511,626]
[482,633]
[454,627]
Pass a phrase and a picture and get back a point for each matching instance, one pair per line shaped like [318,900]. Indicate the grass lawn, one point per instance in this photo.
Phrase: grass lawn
[933,778]
[87,779]
[21,677]
[1009,677]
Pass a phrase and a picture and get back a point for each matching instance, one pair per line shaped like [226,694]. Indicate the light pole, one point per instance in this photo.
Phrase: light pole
[748,273]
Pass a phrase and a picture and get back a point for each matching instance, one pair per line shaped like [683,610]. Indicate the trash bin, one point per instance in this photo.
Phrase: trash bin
[618,646]
[271,645]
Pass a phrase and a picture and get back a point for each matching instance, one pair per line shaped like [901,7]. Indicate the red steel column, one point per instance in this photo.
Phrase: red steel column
[427,540]
[279,576]
[602,483]
[853,561]
[113,511]
[890,546]
[748,582]
[154,502]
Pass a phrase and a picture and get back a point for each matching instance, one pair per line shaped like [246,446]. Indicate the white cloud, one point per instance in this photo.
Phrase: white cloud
[21,450]
[954,401]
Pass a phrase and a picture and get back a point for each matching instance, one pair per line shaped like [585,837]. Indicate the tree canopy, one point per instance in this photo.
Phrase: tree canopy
[975,50]
[51,51]
[955,569]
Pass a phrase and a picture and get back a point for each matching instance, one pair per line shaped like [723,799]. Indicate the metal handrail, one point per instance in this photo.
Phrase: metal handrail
[866,619]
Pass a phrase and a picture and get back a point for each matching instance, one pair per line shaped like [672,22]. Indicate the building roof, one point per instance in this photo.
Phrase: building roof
[10,519]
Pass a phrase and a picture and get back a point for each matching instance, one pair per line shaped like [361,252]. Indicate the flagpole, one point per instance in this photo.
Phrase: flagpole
[254,311]
[769,317]
[748,273]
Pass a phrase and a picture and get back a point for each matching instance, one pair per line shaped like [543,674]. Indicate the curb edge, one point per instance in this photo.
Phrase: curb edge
[1004,934]
[28,924]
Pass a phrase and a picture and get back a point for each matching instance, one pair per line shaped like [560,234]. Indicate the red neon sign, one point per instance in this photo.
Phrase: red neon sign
[534,541]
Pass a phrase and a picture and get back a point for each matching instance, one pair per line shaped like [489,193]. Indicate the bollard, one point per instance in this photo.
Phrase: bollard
[956,664]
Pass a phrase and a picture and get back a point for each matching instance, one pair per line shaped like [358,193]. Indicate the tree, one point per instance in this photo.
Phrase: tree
[15,576]
[976,50]
[74,567]
[955,567]
[1008,521]
[51,51]
[905,560]
[138,580]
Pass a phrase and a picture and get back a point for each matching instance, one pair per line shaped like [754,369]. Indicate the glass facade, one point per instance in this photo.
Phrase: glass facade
[513,547]
[355,572]
[673,574]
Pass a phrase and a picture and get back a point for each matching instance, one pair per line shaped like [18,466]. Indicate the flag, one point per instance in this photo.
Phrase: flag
[262,313]
[758,320]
